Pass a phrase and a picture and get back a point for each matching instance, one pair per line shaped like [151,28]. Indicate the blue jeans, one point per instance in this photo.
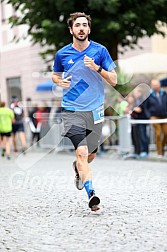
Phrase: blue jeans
[144,141]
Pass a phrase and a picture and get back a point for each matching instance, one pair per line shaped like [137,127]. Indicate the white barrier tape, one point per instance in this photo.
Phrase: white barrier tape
[136,121]
[116,117]
[149,121]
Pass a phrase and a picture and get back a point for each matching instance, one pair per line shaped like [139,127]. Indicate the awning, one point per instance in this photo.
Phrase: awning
[46,86]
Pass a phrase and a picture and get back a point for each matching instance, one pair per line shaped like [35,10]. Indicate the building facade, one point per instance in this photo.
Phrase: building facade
[21,67]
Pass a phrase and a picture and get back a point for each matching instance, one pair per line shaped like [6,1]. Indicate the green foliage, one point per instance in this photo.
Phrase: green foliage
[124,85]
[113,21]
[123,88]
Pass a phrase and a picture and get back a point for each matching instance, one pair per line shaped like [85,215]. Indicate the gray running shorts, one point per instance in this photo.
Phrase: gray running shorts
[79,127]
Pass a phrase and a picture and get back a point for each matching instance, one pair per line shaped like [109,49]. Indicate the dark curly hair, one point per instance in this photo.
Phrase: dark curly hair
[75,15]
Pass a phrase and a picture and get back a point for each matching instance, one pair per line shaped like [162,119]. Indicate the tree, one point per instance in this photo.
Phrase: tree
[114,22]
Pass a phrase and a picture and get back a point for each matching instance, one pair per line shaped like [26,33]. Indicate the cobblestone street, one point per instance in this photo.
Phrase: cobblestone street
[41,210]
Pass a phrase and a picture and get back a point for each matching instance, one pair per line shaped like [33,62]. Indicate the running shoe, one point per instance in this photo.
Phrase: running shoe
[94,202]
[77,181]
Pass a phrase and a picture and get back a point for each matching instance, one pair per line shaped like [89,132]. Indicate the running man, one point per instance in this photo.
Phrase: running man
[79,68]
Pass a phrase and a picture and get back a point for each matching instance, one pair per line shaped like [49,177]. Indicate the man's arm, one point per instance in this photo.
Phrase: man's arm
[57,79]
[109,76]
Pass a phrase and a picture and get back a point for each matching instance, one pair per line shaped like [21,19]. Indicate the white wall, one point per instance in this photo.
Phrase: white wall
[20,60]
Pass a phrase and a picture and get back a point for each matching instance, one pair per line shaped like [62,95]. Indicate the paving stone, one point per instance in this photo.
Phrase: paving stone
[42,211]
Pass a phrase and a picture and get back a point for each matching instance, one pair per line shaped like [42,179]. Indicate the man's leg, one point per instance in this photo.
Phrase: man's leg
[14,142]
[22,139]
[136,139]
[164,141]
[8,147]
[144,141]
[79,136]
[157,130]
[78,177]
[3,146]
[83,160]
[85,174]
[82,163]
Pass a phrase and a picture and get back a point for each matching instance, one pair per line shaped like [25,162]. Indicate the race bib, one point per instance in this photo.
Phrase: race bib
[98,114]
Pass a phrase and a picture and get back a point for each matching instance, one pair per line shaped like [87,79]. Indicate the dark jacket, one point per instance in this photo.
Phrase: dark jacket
[156,107]
[142,104]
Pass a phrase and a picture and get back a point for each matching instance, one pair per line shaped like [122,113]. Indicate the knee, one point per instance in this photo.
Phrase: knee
[82,152]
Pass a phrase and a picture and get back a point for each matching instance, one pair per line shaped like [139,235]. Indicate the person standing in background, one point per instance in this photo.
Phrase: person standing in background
[140,110]
[156,108]
[35,130]
[18,125]
[6,119]
[132,110]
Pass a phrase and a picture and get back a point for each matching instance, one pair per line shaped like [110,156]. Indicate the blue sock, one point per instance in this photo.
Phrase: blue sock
[88,187]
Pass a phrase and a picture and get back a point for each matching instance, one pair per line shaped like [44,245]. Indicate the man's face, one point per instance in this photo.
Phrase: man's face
[80,29]
[155,85]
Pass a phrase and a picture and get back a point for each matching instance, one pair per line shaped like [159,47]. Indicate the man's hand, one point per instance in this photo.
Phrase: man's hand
[109,76]
[89,62]
[137,109]
[64,83]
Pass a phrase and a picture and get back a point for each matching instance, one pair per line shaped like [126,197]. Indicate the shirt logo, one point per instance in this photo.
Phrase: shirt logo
[70,61]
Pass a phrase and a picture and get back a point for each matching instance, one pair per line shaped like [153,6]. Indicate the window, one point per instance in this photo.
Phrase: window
[14,88]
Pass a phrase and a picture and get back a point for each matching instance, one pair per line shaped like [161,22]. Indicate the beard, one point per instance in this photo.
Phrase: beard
[83,38]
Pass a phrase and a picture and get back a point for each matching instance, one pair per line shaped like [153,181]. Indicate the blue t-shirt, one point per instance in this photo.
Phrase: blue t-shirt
[86,92]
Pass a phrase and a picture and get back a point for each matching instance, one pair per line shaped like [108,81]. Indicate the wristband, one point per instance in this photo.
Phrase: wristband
[99,69]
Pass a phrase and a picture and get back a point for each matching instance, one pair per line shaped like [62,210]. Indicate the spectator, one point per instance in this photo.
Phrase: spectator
[156,108]
[18,125]
[42,118]
[35,129]
[6,118]
[140,110]
[133,110]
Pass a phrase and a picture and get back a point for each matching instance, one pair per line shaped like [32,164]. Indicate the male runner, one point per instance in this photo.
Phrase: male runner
[79,68]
